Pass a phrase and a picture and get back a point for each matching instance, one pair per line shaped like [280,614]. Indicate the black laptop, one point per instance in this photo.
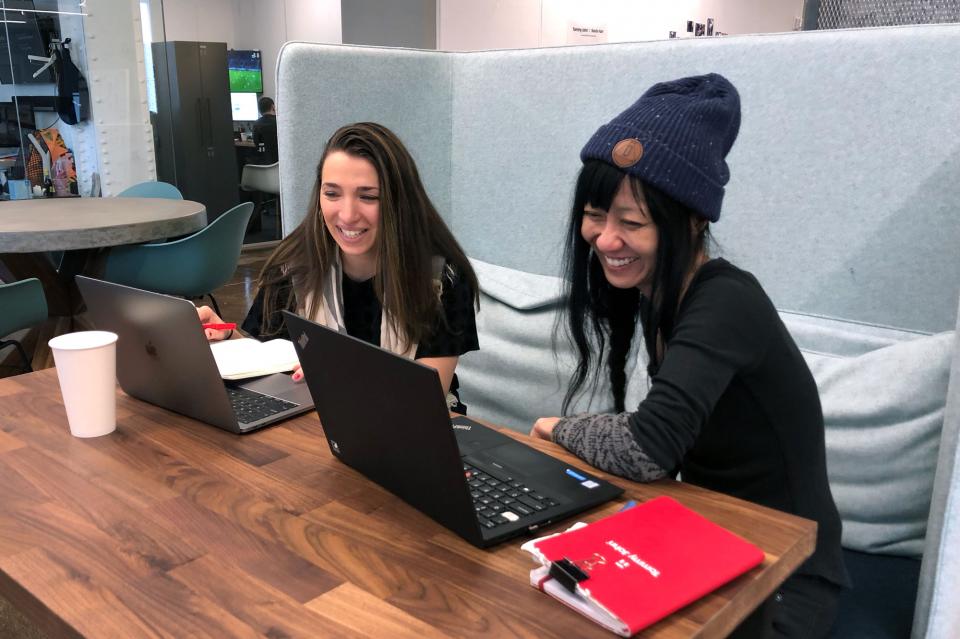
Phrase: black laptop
[163,358]
[387,417]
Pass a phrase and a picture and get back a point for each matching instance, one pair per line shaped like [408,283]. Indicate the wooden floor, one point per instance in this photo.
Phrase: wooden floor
[234,299]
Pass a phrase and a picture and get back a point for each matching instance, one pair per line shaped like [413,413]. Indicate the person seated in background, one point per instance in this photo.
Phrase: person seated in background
[265,131]
[372,258]
[732,405]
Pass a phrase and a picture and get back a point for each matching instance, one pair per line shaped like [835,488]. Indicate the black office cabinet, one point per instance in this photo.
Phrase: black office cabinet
[194,127]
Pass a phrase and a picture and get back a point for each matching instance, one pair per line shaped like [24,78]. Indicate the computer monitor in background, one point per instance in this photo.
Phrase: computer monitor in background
[245,71]
[244,107]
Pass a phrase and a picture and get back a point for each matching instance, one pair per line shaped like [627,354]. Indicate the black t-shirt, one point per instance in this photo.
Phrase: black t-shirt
[265,132]
[362,317]
[734,408]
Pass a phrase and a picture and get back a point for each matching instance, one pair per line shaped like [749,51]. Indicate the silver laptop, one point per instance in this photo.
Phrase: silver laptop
[163,358]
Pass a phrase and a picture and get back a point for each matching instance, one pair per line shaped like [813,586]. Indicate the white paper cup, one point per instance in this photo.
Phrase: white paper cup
[87,367]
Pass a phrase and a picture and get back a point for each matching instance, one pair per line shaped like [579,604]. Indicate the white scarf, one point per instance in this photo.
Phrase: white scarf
[330,311]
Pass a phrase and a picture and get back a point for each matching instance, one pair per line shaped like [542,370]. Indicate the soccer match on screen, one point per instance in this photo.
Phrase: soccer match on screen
[245,71]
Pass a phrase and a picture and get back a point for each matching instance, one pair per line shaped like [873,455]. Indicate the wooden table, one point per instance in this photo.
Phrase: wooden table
[80,227]
[170,528]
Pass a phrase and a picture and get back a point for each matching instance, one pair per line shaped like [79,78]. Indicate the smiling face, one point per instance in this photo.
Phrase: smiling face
[350,205]
[624,239]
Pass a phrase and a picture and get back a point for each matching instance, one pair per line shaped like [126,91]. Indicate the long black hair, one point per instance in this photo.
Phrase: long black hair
[601,319]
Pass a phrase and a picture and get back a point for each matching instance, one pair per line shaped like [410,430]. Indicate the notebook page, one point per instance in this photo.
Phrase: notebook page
[243,358]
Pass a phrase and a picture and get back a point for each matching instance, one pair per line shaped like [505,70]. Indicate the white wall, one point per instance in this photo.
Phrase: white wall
[313,20]
[206,21]
[498,24]
[465,25]
[254,24]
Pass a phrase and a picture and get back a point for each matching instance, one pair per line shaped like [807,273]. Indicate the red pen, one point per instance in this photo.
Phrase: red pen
[229,326]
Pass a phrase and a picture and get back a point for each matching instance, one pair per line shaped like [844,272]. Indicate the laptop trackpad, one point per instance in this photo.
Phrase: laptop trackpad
[282,386]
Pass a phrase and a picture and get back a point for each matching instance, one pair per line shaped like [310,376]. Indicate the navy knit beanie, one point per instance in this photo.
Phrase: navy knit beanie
[676,137]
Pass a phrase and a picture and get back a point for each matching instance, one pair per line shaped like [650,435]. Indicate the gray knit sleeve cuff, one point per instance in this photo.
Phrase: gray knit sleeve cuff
[606,442]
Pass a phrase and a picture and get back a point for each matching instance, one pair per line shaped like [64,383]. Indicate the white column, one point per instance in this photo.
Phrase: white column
[119,145]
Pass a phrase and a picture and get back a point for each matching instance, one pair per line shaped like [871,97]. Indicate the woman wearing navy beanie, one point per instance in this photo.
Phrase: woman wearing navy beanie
[732,405]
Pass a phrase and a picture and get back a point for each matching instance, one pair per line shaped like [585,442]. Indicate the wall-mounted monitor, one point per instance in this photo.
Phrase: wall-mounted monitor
[246,73]
[244,107]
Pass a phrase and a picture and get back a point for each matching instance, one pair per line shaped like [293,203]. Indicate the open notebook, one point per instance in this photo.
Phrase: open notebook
[243,358]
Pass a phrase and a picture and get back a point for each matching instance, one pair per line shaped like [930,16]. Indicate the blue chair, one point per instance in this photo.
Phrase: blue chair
[24,305]
[191,267]
[152,189]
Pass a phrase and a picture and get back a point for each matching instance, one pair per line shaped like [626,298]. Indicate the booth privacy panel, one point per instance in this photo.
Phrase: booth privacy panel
[323,87]
[848,154]
[848,151]
[843,199]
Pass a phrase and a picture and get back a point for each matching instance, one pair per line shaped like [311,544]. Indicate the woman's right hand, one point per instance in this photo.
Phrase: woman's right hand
[297,374]
[207,316]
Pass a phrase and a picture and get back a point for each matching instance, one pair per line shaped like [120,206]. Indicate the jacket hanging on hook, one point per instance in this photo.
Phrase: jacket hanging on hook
[73,98]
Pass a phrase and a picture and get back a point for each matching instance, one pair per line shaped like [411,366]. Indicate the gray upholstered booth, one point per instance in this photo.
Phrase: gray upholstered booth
[843,201]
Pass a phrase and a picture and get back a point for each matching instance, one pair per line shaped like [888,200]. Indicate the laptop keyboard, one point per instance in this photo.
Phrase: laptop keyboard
[501,499]
[250,406]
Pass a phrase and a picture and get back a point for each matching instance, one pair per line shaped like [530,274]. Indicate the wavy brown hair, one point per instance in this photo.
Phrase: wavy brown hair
[411,234]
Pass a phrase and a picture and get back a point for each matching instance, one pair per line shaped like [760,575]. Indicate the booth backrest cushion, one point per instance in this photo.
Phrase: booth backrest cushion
[323,87]
[883,393]
[521,371]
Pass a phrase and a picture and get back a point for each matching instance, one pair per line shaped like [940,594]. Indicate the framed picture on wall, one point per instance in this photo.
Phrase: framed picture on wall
[709,26]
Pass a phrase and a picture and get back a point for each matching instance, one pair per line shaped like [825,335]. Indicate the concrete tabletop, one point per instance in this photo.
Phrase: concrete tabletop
[28,226]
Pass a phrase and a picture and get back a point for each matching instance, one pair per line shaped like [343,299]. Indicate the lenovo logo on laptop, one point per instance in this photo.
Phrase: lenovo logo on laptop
[461,427]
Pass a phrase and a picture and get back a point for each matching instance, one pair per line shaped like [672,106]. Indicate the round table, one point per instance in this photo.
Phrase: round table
[54,224]
[83,228]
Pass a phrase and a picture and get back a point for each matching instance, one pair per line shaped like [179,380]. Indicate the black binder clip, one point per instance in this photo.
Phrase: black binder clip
[567,574]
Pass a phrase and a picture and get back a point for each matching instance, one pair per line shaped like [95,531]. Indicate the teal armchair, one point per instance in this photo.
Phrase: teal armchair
[24,305]
[191,267]
[152,189]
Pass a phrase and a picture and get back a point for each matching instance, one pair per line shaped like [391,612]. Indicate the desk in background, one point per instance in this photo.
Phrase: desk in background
[172,528]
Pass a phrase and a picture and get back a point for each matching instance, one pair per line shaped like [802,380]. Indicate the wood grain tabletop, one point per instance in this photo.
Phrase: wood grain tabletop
[171,528]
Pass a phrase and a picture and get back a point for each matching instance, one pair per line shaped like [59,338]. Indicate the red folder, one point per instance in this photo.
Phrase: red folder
[640,564]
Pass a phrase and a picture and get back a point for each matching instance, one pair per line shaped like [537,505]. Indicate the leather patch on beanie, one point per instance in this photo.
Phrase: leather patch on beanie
[627,152]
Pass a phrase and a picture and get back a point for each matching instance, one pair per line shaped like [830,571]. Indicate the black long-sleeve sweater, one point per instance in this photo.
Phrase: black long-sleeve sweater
[732,407]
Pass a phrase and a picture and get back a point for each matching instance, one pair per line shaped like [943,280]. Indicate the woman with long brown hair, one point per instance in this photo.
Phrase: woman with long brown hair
[372,258]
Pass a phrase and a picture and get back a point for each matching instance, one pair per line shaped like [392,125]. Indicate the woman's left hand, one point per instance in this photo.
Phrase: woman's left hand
[543,428]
